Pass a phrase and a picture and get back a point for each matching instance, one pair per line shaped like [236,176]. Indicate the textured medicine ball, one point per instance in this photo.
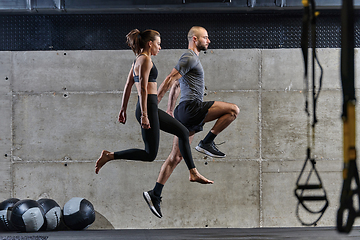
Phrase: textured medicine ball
[5,214]
[78,213]
[27,216]
[52,213]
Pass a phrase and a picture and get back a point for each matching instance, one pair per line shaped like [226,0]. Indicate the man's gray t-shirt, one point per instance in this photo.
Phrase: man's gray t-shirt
[192,82]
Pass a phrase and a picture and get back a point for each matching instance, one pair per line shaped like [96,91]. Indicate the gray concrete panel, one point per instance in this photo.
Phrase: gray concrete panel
[227,69]
[330,61]
[329,130]
[116,192]
[71,70]
[284,125]
[282,69]
[278,199]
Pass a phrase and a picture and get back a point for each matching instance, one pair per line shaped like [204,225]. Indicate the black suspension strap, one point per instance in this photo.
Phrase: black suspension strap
[350,190]
[304,190]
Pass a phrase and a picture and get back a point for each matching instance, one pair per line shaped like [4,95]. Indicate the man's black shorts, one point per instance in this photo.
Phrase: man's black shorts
[192,114]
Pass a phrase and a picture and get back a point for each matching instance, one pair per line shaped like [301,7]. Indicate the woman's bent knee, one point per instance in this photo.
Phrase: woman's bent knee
[183,134]
[150,157]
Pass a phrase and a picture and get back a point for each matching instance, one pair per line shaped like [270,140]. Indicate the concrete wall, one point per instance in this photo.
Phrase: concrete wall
[59,110]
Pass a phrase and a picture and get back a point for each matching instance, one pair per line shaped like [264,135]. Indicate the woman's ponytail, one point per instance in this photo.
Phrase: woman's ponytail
[133,39]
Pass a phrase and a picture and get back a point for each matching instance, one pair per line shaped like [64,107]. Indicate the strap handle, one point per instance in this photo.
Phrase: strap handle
[303,200]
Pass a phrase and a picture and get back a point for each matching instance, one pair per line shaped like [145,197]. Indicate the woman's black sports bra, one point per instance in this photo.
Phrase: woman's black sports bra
[152,76]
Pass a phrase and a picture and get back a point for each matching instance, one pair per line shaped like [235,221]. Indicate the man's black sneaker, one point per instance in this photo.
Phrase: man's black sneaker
[153,202]
[209,149]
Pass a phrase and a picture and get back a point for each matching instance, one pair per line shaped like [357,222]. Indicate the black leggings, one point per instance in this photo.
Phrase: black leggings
[158,120]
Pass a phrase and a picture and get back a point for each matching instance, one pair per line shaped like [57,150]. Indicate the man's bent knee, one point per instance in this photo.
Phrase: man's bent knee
[235,110]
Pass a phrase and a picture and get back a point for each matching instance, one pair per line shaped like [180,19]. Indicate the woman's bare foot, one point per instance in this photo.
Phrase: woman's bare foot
[103,159]
[195,176]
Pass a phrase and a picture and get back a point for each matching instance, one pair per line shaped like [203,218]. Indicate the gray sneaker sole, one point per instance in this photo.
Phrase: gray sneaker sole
[200,149]
[150,204]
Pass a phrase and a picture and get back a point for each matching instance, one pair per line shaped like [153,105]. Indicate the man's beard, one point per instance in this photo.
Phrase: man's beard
[201,47]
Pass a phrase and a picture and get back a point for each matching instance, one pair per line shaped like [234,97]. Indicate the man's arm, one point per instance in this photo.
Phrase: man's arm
[173,77]
[173,96]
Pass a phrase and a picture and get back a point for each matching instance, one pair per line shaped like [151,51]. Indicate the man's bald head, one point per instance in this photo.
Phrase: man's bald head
[195,31]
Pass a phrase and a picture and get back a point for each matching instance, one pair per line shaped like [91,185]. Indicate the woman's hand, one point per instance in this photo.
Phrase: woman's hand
[122,116]
[145,123]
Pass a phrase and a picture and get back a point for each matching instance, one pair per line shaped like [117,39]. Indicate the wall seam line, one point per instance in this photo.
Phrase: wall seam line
[260,142]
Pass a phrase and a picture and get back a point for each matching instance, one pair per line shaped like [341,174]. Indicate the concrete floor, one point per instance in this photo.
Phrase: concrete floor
[189,234]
